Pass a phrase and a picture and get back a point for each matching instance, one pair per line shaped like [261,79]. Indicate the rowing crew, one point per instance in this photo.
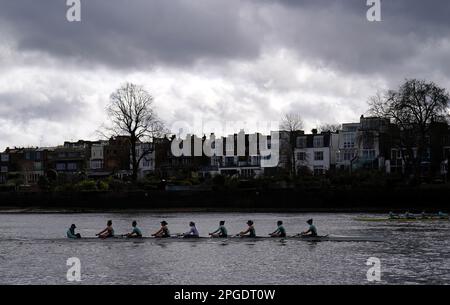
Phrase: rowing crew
[221,231]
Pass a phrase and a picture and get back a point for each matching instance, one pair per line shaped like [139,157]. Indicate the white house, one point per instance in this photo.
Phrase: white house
[147,162]
[97,158]
[314,152]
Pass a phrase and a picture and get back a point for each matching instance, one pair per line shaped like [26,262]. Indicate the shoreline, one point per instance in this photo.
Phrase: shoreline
[39,210]
[368,200]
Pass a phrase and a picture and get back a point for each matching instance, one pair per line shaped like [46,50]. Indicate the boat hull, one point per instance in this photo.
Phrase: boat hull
[235,239]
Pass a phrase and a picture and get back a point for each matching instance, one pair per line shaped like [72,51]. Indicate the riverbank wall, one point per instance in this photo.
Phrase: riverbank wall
[314,200]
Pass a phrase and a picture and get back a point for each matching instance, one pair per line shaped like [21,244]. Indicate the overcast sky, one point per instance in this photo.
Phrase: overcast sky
[209,60]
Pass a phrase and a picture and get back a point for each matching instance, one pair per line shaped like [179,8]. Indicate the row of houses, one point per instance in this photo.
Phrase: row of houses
[93,159]
[372,143]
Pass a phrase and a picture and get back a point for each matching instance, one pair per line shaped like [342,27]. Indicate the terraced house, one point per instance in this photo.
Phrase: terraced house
[23,165]
[314,152]
[364,145]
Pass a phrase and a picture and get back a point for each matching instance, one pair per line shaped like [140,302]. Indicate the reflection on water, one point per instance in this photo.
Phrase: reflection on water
[33,251]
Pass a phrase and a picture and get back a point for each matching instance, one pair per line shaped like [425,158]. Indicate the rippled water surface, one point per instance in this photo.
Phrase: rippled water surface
[33,251]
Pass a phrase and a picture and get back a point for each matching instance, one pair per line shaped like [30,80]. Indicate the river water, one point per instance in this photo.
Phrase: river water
[33,251]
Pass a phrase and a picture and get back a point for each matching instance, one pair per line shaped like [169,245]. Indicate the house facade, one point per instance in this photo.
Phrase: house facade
[146,152]
[4,167]
[363,145]
[22,164]
[314,152]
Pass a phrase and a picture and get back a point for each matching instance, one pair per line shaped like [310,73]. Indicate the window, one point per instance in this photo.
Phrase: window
[96,164]
[318,170]
[146,147]
[73,155]
[71,166]
[318,155]
[396,154]
[318,141]
[349,140]
[368,140]
[301,142]
[38,155]
[27,155]
[4,157]
[60,166]
[368,154]
[301,156]
[348,155]
[37,166]
[4,169]
[255,160]
[229,161]
[146,162]
[215,160]
[338,156]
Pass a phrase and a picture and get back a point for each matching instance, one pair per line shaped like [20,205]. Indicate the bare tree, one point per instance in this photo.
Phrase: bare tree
[414,107]
[293,124]
[329,127]
[131,113]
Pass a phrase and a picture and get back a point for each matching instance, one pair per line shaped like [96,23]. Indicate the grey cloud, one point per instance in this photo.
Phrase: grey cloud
[337,34]
[21,108]
[136,34]
[141,34]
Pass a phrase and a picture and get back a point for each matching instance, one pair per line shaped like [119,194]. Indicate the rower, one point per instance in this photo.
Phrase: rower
[312,231]
[221,232]
[163,232]
[442,215]
[392,215]
[107,232]
[71,232]
[409,215]
[193,232]
[280,231]
[136,232]
[250,232]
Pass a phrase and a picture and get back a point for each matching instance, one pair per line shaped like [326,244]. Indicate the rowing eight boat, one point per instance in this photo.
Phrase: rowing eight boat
[246,239]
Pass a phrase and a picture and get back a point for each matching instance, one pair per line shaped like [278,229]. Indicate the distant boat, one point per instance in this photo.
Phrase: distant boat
[403,219]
